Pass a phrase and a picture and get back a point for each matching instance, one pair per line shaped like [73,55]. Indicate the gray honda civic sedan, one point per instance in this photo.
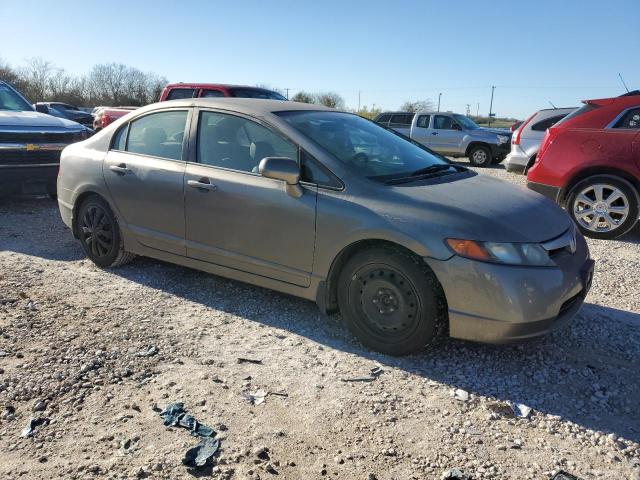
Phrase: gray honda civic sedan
[331,207]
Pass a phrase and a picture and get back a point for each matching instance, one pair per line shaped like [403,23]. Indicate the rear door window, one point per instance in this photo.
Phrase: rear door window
[630,120]
[158,134]
[177,93]
[542,125]
[212,93]
[423,121]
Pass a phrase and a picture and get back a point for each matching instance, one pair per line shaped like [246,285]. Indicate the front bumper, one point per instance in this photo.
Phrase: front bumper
[499,152]
[549,191]
[516,161]
[28,179]
[495,303]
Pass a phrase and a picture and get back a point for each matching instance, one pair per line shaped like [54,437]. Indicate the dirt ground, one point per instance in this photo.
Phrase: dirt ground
[96,353]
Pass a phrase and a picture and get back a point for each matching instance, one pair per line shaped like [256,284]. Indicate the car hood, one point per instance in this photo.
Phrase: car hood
[34,119]
[478,207]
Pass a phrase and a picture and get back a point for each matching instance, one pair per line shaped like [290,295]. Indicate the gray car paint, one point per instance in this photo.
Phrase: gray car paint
[275,244]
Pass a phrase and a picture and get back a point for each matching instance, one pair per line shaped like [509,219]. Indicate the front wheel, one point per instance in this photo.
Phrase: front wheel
[603,206]
[99,234]
[391,301]
[480,156]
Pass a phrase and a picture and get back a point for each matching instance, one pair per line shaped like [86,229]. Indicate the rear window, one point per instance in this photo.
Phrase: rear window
[587,107]
[542,125]
[423,121]
[384,118]
[401,120]
[630,120]
[212,93]
[177,93]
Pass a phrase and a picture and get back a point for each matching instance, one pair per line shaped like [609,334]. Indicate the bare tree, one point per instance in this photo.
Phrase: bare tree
[303,97]
[35,76]
[329,99]
[7,73]
[418,106]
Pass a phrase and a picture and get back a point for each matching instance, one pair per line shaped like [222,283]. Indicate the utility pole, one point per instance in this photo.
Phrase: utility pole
[439,95]
[358,100]
[287,89]
[493,87]
[468,109]
[478,110]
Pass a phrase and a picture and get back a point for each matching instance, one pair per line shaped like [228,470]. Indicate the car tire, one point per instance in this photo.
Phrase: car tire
[391,301]
[99,234]
[480,156]
[601,194]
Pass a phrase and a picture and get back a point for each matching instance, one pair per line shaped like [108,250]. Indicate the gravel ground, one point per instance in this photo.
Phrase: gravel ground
[97,352]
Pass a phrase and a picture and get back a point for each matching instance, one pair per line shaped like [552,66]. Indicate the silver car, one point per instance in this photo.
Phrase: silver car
[330,207]
[526,140]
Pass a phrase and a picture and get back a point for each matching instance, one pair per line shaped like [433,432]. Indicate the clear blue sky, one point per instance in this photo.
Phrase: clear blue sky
[534,51]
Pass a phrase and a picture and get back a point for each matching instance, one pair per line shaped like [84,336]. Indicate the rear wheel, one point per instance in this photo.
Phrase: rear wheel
[99,234]
[391,301]
[480,156]
[603,206]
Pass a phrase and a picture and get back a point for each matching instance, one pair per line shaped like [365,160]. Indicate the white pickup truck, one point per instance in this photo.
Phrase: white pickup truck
[451,134]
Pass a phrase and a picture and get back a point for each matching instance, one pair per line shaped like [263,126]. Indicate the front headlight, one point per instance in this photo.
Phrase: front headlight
[509,253]
[502,139]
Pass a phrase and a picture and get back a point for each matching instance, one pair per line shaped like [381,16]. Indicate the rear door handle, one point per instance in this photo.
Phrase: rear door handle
[203,184]
[434,133]
[120,169]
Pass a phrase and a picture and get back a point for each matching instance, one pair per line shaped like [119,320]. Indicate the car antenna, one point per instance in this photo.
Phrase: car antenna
[622,80]
[554,107]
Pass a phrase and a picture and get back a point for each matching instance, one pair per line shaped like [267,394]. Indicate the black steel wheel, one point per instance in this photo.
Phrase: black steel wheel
[99,234]
[392,302]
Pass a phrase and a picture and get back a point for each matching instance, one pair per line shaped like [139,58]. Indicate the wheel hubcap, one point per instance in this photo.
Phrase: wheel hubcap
[386,299]
[601,208]
[97,231]
[480,156]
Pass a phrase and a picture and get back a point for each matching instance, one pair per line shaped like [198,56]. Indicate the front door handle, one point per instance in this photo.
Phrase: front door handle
[434,133]
[203,184]
[120,169]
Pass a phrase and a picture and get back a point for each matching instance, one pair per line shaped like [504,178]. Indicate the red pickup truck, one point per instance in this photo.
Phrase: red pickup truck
[175,91]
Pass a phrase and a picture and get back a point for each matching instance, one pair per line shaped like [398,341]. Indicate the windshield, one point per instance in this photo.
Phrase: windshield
[256,93]
[10,100]
[466,122]
[372,150]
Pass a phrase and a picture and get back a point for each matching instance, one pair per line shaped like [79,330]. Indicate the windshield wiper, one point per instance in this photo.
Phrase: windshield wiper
[420,173]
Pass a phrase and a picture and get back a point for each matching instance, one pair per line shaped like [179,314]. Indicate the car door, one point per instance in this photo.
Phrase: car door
[422,132]
[144,173]
[237,218]
[446,134]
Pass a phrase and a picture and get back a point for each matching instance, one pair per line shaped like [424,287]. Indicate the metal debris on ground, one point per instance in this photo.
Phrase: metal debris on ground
[149,352]
[374,373]
[249,360]
[455,474]
[510,409]
[256,398]
[175,415]
[562,475]
[199,455]
[520,410]
[34,422]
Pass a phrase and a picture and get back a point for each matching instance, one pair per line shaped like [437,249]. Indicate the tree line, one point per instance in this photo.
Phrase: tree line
[112,84]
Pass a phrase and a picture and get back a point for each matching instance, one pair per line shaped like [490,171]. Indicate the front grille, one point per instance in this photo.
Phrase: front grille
[39,137]
[23,157]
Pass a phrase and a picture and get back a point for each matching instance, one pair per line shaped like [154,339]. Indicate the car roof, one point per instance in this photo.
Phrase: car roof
[249,106]
[212,85]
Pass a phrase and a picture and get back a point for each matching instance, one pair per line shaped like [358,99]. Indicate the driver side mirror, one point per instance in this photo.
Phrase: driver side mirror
[41,108]
[455,126]
[285,169]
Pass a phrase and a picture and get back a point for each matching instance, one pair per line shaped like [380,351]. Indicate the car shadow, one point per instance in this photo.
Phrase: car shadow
[586,373]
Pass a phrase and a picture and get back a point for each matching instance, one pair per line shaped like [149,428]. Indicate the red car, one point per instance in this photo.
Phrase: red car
[589,162]
[106,115]
[174,91]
